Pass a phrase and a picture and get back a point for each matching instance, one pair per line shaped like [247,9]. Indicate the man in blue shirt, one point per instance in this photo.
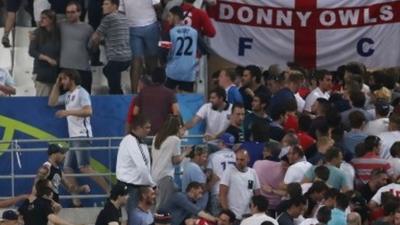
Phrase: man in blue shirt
[226,79]
[182,205]
[338,215]
[181,65]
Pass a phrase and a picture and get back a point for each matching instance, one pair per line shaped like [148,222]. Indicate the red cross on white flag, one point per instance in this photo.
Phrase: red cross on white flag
[313,33]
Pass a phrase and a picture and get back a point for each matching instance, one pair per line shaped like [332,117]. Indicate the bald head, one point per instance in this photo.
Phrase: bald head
[242,158]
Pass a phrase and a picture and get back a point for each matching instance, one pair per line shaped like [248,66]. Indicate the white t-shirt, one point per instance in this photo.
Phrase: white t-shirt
[313,96]
[241,188]
[349,173]
[395,166]
[295,172]
[393,188]
[140,13]
[5,79]
[219,161]
[76,100]
[387,140]
[376,127]
[310,221]
[258,219]
[300,102]
[216,121]
[162,158]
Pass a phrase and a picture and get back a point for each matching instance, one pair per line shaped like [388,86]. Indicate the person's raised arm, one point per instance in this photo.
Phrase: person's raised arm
[55,93]
[223,196]
[207,216]
[192,122]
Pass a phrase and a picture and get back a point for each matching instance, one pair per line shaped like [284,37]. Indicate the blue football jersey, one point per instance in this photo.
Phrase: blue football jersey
[182,63]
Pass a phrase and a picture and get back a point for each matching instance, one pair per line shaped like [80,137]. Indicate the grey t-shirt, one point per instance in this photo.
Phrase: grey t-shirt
[75,45]
[115,29]
[181,207]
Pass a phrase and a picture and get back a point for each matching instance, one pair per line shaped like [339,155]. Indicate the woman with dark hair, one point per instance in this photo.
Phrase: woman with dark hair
[44,47]
[166,153]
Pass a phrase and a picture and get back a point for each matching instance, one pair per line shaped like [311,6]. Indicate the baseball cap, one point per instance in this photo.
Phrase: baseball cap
[9,215]
[228,139]
[119,189]
[56,148]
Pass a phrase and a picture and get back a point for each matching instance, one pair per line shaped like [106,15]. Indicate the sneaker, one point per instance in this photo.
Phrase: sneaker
[6,42]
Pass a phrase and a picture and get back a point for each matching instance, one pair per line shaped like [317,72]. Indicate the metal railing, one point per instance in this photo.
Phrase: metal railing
[16,147]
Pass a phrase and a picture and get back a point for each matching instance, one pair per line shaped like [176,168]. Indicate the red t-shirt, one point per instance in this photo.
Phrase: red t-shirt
[305,140]
[198,19]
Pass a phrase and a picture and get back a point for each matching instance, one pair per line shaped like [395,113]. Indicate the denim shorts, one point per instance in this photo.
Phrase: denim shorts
[144,40]
[75,159]
[13,5]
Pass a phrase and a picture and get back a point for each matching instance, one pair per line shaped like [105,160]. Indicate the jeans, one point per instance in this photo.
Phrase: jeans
[133,202]
[112,71]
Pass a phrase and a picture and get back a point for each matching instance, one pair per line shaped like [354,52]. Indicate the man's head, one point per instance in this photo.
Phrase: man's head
[43,188]
[379,178]
[275,82]
[57,153]
[296,206]
[324,215]
[295,80]
[251,75]
[226,217]
[324,79]
[372,144]
[141,125]
[272,150]
[317,190]
[395,150]
[147,196]
[357,119]
[342,201]
[258,204]
[295,154]
[334,156]
[237,114]
[158,75]
[9,217]
[199,155]
[357,99]
[242,159]
[73,11]
[119,194]
[382,108]
[259,103]
[322,173]
[69,79]
[110,6]
[194,190]
[217,98]
[175,15]
[321,107]
[226,77]
[330,197]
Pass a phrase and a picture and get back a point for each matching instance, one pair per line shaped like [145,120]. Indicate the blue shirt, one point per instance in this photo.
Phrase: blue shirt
[282,96]
[233,95]
[181,207]
[193,172]
[338,217]
[142,218]
[182,57]
[352,138]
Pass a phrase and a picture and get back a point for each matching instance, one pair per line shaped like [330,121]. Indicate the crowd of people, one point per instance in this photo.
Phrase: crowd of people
[282,146]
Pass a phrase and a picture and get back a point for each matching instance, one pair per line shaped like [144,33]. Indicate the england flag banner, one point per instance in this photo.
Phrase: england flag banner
[312,33]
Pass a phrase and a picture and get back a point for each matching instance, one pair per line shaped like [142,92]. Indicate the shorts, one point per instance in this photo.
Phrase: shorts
[75,159]
[182,85]
[144,40]
[13,5]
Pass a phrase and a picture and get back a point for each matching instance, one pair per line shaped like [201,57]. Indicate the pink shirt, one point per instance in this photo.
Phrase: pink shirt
[271,173]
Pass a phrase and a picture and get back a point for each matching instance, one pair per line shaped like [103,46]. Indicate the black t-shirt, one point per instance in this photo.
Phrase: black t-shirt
[36,212]
[55,177]
[109,214]
[366,192]
[236,132]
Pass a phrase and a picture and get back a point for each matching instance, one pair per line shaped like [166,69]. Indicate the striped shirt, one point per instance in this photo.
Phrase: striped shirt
[115,29]
[370,161]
